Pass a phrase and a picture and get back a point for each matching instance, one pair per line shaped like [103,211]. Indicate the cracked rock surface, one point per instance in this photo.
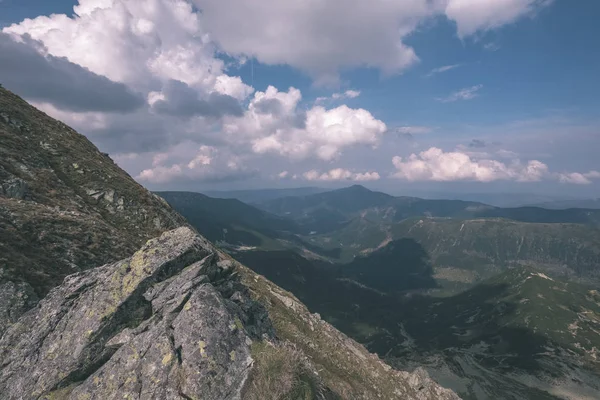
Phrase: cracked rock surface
[165,323]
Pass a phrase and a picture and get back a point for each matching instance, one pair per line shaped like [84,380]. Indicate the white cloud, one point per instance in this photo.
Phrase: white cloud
[201,164]
[578,178]
[283,174]
[593,175]
[139,43]
[463,94]
[318,37]
[274,123]
[444,68]
[472,16]
[491,46]
[322,37]
[158,48]
[169,39]
[351,94]
[340,174]
[168,51]
[503,153]
[348,94]
[436,165]
[161,174]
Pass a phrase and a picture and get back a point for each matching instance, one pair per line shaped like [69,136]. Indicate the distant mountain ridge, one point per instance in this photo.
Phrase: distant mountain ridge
[348,202]
[593,204]
[464,288]
[253,196]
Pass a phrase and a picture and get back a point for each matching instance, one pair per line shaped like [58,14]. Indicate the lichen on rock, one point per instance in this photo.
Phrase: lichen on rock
[155,325]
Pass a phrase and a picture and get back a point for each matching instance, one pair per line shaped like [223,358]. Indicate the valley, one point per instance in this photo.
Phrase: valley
[494,303]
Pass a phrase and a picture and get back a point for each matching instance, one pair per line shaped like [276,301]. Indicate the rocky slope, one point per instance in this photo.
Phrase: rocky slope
[519,335]
[64,206]
[177,320]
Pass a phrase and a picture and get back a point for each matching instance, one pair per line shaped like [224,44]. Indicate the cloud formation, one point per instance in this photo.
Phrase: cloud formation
[26,70]
[340,174]
[473,16]
[274,123]
[436,165]
[323,37]
[444,68]
[348,94]
[204,164]
[578,178]
[194,120]
[463,94]
[179,99]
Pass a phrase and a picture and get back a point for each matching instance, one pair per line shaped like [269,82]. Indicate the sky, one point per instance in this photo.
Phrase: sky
[401,96]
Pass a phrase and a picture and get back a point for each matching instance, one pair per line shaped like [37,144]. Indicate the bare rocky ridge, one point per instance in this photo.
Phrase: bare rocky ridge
[178,319]
[64,207]
[165,323]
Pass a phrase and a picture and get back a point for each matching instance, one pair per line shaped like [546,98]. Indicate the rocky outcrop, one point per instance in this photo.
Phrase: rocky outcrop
[172,321]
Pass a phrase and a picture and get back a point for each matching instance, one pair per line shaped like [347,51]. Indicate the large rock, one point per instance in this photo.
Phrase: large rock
[169,322]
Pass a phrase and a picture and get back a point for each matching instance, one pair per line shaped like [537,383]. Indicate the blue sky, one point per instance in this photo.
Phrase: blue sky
[488,95]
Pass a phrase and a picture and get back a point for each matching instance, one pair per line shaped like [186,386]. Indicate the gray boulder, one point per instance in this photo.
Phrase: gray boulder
[167,323]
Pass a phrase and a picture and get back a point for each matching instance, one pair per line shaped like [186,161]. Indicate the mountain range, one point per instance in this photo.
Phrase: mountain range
[106,292]
[496,303]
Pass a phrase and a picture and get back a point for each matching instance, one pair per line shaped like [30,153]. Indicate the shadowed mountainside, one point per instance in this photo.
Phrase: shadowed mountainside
[64,206]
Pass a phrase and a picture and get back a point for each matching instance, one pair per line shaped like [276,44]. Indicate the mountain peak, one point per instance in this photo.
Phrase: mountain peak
[357,188]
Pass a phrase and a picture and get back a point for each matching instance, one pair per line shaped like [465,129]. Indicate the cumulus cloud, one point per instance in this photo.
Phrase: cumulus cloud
[179,99]
[463,94]
[26,70]
[207,164]
[170,52]
[319,38]
[323,37]
[274,123]
[340,174]
[436,165]
[158,48]
[472,16]
[169,39]
[135,43]
[578,178]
